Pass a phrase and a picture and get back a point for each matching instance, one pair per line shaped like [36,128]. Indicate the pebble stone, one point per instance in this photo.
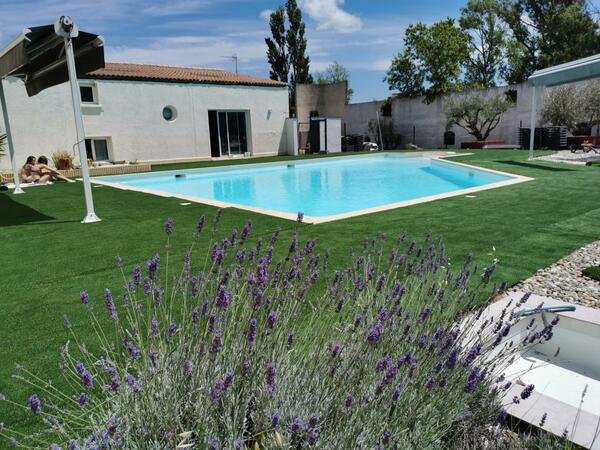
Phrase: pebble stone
[563,279]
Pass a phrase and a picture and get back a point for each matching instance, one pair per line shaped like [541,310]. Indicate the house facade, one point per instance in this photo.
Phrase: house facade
[151,113]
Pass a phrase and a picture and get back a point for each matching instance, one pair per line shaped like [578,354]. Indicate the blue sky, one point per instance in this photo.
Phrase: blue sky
[363,35]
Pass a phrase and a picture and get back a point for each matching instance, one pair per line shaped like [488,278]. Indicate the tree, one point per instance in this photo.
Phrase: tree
[546,33]
[562,107]
[296,44]
[286,49]
[276,47]
[590,103]
[477,115]
[335,73]
[487,42]
[430,64]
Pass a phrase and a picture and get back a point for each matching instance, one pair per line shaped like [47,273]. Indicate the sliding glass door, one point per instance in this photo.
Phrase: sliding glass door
[230,136]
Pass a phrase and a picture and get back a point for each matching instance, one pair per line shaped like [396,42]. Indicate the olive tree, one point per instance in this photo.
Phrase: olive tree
[590,103]
[562,107]
[476,114]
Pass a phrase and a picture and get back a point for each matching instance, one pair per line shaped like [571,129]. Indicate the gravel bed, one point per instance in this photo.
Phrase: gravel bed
[566,156]
[563,280]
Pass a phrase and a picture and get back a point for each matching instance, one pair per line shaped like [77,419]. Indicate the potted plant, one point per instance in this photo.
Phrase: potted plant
[62,160]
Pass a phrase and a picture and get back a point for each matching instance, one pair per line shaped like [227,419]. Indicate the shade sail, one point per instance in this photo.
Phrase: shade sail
[37,56]
[578,70]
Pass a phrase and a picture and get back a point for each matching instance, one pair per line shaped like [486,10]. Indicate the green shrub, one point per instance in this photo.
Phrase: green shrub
[241,348]
[592,272]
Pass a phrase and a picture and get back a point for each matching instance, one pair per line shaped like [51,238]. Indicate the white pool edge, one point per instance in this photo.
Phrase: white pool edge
[560,415]
[436,156]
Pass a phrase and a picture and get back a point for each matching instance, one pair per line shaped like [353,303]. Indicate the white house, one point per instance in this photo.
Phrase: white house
[139,112]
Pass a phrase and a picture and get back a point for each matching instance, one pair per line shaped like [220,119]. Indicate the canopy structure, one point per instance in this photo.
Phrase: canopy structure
[578,70]
[46,56]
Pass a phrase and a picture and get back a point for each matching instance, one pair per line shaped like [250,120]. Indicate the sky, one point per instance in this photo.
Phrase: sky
[362,35]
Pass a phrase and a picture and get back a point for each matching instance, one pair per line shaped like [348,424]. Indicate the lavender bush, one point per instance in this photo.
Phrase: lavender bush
[259,345]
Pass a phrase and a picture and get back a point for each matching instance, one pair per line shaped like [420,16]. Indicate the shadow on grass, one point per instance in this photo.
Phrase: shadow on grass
[15,213]
[534,166]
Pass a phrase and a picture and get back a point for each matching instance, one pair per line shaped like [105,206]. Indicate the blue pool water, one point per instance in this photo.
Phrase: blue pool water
[321,187]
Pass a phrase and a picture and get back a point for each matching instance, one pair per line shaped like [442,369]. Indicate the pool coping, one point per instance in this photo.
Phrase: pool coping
[436,156]
[559,415]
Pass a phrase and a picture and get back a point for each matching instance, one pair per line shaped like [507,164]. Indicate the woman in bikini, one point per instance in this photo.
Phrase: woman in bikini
[30,173]
[48,173]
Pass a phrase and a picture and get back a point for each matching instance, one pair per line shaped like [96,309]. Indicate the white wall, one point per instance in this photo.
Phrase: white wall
[429,120]
[130,113]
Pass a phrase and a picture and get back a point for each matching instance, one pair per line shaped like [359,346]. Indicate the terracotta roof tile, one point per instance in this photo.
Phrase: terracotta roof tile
[150,72]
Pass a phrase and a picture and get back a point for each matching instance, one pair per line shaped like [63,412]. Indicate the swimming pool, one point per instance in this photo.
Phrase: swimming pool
[323,189]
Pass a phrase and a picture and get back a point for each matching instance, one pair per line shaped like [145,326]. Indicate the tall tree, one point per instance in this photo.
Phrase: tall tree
[299,62]
[546,33]
[487,42]
[335,73]
[276,46]
[286,49]
[431,63]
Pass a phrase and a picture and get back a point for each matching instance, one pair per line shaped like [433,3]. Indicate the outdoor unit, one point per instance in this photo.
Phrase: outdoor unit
[325,135]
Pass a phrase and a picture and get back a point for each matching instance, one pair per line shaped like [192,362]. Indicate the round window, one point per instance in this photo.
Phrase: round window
[169,113]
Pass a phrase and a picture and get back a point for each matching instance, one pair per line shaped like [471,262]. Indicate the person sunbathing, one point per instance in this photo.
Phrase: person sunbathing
[30,173]
[48,173]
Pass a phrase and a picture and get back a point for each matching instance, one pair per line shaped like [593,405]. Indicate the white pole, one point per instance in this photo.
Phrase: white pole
[11,146]
[533,120]
[379,127]
[76,97]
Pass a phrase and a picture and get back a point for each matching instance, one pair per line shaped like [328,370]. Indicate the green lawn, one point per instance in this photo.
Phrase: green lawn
[530,225]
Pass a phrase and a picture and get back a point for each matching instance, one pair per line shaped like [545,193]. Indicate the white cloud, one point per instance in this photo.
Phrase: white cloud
[266,14]
[330,16]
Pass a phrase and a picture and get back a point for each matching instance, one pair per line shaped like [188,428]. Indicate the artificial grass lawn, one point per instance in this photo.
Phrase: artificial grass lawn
[530,225]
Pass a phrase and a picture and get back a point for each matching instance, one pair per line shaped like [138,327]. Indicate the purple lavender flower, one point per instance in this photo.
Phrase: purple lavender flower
[132,383]
[452,359]
[397,393]
[358,321]
[543,420]
[85,297]
[487,273]
[473,380]
[35,404]
[217,345]
[84,399]
[275,418]
[349,400]
[213,444]
[172,328]
[200,224]
[270,378]
[380,283]
[271,319]
[169,226]
[300,217]
[147,286]
[385,439]
[195,315]
[86,377]
[251,335]
[296,425]
[502,416]
[110,304]
[223,297]
[154,327]
[313,421]
[246,231]
[72,446]
[153,355]
[290,339]
[137,275]
[375,333]
[526,393]
[134,352]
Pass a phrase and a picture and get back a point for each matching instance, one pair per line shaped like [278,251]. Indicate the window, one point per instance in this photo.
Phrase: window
[97,149]
[169,113]
[87,94]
